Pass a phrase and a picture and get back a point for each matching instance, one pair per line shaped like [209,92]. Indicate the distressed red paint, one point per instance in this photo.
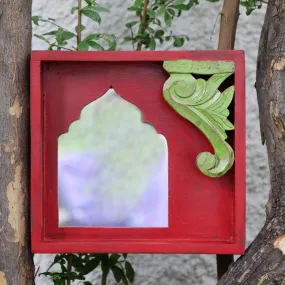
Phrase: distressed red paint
[206,215]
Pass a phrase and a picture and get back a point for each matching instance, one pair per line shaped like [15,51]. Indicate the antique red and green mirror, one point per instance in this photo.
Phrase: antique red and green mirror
[138,152]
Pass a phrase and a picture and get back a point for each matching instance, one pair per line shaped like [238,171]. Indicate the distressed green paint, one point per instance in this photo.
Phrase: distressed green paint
[199,67]
[200,102]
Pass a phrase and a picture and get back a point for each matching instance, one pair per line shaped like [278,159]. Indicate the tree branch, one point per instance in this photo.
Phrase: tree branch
[79,23]
[229,19]
[143,22]
[69,264]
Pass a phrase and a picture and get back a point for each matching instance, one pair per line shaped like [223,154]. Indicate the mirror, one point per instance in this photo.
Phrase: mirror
[112,168]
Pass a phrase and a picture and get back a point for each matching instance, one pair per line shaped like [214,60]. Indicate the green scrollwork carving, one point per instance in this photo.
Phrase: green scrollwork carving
[200,102]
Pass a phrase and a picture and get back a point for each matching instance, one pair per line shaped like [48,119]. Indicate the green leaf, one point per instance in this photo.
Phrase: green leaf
[111,40]
[159,33]
[179,42]
[91,264]
[67,36]
[178,2]
[160,11]
[59,35]
[51,33]
[124,279]
[249,11]
[41,38]
[89,2]
[151,13]
[59,257]
[128,39]
[93,15]
[167,18]
[100,9]
[83,46]
[182,7]
[152,44]
[138,3]
[131,24]
[92,37]
[134,9]
[125,255]
[130,272]
[62,36]
[87,283]
[95,45]
[36,20]
[56,276]
[150,30]
[118,273]
[171,12]
[82,28]
[114,258]
[73,10]
[76,262]
[157,22]
[63,268]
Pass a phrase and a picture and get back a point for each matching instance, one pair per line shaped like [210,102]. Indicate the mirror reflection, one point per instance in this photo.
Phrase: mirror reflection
[112,168]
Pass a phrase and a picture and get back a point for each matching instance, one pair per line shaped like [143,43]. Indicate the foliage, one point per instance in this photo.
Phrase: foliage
[252,5]
[154,20]
[61,36]
[75,267]
[152,27]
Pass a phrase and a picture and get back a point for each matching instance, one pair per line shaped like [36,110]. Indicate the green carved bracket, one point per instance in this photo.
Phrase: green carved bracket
[200,102]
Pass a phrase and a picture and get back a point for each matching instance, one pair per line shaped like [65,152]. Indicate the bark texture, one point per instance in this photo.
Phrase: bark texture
[264,261]
[16,263]
[228,26]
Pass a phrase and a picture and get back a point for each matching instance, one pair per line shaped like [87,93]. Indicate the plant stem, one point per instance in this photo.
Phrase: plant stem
[104,278]
[143,22]
[54,45]
[69,267]
[132,33]
[79,23]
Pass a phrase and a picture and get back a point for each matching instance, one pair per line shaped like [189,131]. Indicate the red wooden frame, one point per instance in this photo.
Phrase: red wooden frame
[210,218]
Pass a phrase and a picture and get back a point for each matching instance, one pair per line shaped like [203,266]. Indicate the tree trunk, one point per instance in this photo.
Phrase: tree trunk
[264,261]
[16,263]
